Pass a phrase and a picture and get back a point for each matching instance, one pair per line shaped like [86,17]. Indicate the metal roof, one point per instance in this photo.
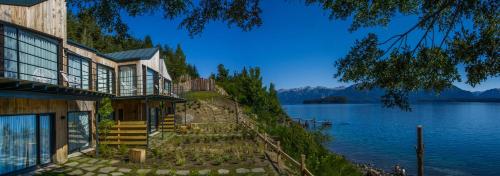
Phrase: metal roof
[137,54]
[21,2]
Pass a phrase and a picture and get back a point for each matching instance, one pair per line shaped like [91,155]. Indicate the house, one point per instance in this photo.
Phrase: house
[50,89]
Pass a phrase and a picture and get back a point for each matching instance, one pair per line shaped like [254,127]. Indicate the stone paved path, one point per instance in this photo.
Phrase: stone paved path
[99,167]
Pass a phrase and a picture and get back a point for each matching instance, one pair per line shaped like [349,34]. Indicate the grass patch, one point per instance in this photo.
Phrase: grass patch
[202,95]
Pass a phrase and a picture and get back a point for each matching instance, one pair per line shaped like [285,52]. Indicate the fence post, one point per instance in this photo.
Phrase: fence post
[278,153]
[303,164]
[265,141]
[420,151]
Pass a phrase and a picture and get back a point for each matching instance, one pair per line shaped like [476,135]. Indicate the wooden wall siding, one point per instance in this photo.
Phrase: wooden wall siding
[133,110]
[59,107]
[48,17]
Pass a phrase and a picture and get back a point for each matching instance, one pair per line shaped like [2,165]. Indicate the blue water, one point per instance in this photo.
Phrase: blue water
[459,138]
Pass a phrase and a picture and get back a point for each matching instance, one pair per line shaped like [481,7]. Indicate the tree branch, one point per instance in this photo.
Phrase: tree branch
[400,36]
[451,25]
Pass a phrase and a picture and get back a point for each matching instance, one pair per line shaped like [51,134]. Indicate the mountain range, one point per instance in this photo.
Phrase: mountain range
[353,95]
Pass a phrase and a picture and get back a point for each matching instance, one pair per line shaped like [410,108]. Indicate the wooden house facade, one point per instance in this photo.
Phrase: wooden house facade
[50,87]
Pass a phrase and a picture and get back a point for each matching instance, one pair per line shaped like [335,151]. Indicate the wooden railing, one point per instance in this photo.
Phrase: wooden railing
[277,149]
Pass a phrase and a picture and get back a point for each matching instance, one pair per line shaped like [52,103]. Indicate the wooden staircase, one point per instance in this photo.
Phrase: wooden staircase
[168,124]
[126,133]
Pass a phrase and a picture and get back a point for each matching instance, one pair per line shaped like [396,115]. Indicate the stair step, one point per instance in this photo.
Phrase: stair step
[126,137]
[125,142]
[130,126]
[132,122]
[127,131]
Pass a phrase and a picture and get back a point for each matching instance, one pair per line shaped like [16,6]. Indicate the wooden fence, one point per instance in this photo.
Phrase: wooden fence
[279,152]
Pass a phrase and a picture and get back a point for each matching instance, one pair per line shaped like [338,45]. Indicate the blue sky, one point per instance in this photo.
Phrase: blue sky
[295,47]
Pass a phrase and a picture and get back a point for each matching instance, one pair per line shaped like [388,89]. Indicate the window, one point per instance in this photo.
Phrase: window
[30,56]
[150,81]
[105,79]
[78,131]
[167,89]
[25,141]
[78,72]
[153,119]
[128,81]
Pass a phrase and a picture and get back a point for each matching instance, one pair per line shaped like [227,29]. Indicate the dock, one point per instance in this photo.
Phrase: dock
[308,123]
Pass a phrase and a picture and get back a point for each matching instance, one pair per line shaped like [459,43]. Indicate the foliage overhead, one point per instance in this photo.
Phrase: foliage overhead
[245,14]
[401,66]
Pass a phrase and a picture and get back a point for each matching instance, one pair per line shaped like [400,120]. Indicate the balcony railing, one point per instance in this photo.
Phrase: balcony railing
[142,85]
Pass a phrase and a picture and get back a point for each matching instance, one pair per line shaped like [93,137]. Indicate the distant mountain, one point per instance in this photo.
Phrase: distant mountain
[353,95]
[490,94]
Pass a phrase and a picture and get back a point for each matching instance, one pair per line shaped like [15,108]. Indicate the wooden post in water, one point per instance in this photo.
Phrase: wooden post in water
[303,164]
[420,151]
[278,152]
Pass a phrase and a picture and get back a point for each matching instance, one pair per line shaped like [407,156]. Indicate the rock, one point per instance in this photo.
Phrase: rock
[116,174]
[223,171]
[76,172]
[182,172]
[143,171]
[92,161]
[102,175]
[242,171]
[124,170]
[93,168]
[204,172]
[89,174]
[84,165]
[372,172]
[258,170]
[103,162]
[162,172]
[114,161]
[107,169]
[72,164]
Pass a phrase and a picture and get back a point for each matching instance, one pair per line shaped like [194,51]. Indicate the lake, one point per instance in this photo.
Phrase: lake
[459,138]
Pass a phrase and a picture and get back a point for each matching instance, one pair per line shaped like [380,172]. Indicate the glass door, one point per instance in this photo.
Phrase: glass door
[25,141]
[78,131]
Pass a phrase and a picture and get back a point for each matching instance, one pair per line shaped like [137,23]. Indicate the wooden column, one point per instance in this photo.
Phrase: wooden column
[420,151]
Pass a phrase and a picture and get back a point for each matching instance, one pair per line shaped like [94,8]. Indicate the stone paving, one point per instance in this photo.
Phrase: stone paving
[100,167]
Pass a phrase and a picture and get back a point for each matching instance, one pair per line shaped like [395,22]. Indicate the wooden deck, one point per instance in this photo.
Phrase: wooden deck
[126,133]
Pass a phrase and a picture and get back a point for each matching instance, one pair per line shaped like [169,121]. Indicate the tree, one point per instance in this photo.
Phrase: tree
[222,73]
[148,42]
[245,14]
[428,63]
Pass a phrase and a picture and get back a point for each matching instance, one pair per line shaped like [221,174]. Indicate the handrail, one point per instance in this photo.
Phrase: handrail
[276,147]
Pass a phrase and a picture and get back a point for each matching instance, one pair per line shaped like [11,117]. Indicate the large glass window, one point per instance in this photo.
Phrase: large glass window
[78,131]
[153,119]
[18,141]
[128,83]
[78,72]
[167,86]
[150,81]
[105,79]
[30,56]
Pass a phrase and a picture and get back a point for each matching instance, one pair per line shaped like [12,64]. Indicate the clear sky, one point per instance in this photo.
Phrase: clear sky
[295,47]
